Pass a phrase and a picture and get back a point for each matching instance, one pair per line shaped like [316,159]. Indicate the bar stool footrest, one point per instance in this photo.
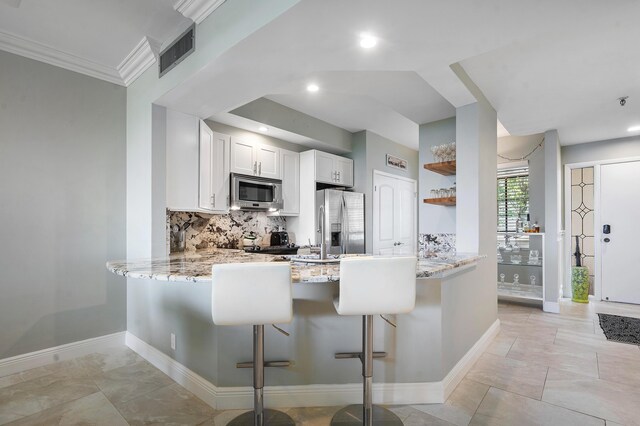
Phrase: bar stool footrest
[249,364]
[348,355]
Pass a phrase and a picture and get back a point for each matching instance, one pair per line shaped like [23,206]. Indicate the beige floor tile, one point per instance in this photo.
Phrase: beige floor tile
[619,370]
[583,362]
[501,344]
[545,335]
[33,396]
[128,382]
[566,323]
[172,405]
[515,318]
[515,308]
[313,416]
[460,406]
[94,409]
[610,423]
[509,374]
[506,408]
[413,417]
[600,398]
[586,341]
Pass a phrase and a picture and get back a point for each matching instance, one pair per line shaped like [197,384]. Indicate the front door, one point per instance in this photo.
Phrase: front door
[394,215]
[620,254]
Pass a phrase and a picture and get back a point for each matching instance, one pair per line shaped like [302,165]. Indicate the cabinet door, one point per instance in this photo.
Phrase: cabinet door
[243,159]
[325,167]
[268,158]
[205,191]
[220,171]
[290,169]
[344,169]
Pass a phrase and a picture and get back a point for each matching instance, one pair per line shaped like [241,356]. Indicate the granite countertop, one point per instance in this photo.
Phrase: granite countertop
[196,266]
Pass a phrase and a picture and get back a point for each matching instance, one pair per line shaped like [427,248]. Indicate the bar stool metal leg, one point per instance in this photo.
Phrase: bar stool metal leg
[366,413]
[259,416]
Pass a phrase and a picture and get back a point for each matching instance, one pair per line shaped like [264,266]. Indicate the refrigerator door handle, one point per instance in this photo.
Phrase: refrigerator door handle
[345,227]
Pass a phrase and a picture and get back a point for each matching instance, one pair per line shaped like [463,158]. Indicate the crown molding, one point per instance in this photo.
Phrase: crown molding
[40,52]
[138,60]
[197,10]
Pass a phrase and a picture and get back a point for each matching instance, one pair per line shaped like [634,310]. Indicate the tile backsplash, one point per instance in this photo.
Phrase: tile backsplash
[223,231]
[435,245]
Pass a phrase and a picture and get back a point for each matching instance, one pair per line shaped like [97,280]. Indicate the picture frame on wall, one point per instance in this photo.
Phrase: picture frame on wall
[396,162]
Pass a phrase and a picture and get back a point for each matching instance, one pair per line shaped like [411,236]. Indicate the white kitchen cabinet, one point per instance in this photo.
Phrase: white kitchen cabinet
[197,173]
[253,159]
[290,168]
[344,169]
[333,169]
[213,181]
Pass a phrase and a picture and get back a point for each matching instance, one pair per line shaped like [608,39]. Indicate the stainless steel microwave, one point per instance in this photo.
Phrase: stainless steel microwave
[255,193]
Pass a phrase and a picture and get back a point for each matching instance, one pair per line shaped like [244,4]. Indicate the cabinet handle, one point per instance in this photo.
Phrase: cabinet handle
[255,167]
[338,177]
[334,176]
[260,168]
[213,200]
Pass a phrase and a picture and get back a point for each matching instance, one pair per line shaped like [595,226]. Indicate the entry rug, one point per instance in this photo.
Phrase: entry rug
[620,329]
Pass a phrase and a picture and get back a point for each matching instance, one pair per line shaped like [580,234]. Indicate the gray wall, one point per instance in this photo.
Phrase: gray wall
[602,150]
[517,147]
[369,154]
[330,138]
[435,219]
[62,180]
[469,299]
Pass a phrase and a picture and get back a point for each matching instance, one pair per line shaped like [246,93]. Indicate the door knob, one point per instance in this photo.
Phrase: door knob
[606,240]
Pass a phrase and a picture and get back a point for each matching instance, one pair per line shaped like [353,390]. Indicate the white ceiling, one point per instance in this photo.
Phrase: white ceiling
[389,103]
[543,64]
[522,54]
[96,34]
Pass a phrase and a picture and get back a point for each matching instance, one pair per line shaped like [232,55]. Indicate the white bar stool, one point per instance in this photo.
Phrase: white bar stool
[254,294]
[373,286]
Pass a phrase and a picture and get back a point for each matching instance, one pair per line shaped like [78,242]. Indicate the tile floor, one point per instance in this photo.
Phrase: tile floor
[542,369]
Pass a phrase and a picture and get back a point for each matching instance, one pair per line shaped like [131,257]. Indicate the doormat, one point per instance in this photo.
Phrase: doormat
[620,329]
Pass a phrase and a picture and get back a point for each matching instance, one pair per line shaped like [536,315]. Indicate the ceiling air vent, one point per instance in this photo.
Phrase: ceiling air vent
[178,51]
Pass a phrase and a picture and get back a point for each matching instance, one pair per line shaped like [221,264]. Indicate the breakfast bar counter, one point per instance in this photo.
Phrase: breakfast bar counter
[195,266]
[426,355]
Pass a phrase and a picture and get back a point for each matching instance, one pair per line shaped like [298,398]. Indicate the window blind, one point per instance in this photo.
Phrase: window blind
[513,198]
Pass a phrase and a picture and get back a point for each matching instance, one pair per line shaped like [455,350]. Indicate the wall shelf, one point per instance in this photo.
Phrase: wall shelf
[446,201]
[445,168]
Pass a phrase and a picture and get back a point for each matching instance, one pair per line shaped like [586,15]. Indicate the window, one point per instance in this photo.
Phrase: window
[513,198]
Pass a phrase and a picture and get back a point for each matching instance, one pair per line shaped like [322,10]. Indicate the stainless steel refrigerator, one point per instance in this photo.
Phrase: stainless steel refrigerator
[343,221]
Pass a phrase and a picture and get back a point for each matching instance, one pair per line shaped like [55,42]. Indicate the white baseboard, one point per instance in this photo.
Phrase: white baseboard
[222,398]
[48,356]
[552,307]
[463,366]
[191,381]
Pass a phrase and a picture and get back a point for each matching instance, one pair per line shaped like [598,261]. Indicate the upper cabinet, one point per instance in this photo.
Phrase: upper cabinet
[333,169]
[250,158]
[213,179]
[290,167]
[197,165]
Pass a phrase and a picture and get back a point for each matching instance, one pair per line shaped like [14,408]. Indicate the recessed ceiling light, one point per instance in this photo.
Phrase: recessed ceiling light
[312,87]
[633,129]
[263,129]
[367,41]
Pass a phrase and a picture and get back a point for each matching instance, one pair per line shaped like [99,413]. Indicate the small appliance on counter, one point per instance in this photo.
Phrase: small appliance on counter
[279,245]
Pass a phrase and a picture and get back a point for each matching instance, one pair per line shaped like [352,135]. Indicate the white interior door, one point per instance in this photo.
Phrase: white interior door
[619,208]
[394,215]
